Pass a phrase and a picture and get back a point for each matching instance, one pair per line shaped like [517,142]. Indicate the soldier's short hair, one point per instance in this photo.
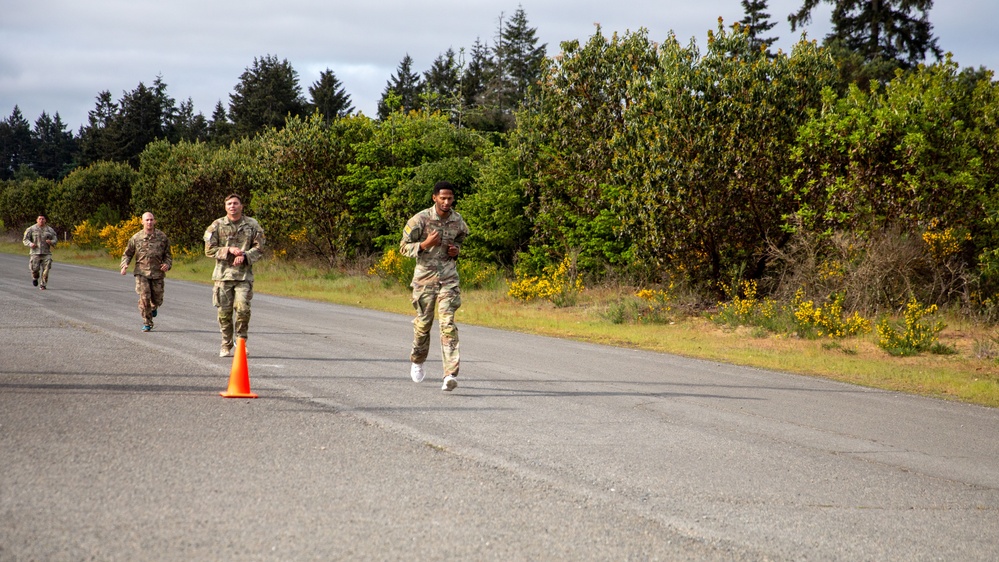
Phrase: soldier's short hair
[445,185]
[231,195]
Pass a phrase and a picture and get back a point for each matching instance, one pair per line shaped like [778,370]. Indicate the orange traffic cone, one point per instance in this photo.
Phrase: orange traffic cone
[239,377]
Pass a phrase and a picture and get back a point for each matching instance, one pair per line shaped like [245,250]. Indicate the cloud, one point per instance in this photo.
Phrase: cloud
[57,55]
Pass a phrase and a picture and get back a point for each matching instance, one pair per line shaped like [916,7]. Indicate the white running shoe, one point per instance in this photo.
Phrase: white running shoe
[450,383]
[225,351]
[416,371]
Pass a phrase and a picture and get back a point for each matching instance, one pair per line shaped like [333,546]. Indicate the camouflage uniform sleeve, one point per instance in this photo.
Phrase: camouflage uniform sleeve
[212,248]
[126,257]
[256,249]
[412,235]
[26,240]
[50,236]
[459,238]
[167,253]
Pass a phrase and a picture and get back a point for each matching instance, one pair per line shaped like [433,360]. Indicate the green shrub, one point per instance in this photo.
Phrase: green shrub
[915,336]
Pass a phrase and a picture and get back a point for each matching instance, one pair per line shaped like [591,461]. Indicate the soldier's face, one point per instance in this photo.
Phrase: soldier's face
[444,200]
[40,221]
[148,222]
[233,208]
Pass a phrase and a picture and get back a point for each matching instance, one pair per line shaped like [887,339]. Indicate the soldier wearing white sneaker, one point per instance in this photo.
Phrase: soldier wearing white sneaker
[434,237]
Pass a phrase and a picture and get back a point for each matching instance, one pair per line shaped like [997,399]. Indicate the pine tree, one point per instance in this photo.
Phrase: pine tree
[474,77]
[188,126]
[54,147]
[441,85]
[220,129]
[757,22]
[329,97]
[141,121]
[15,144]
[99,139]
[402,91]
[522,57]
[168,111]
[267,93]
[893,32]
[512,71]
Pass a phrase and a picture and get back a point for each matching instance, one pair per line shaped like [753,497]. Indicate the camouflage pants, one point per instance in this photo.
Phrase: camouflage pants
[232,299]
[445,301]
[40,264]
[150,293]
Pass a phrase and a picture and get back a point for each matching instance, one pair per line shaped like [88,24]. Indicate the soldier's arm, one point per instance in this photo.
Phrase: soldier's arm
[26,240]
[459,238]
[167,254]
[256,249]
[212,248]
[409,246]
[127,256]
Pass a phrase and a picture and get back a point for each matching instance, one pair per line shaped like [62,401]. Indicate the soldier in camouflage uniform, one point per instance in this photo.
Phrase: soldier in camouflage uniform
[434,237]
[236,242]
[151,249]
[40,238]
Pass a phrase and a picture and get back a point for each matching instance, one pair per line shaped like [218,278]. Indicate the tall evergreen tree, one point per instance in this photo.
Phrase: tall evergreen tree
[100,136]
[511,72]
[522,57]
[141,121]
[15,144]
[884,34]
[330,98]
[187,125]
[402,91]
[267,93]
[474,77]
[220,129]
[54,147]
[168,111]
[441,85]
[757,22]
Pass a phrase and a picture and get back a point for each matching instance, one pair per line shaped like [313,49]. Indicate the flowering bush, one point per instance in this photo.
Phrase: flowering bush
[658,307]
[560,285]
[87,236]
[748,310]
[392,269]
[826,320]
[475,274]
[917,334]
[943,244]
[116,236]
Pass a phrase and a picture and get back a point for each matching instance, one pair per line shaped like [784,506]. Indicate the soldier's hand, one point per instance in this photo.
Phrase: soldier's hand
[123,270]
[433,239]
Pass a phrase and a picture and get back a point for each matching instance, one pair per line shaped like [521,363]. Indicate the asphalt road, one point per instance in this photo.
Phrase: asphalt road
[115,445]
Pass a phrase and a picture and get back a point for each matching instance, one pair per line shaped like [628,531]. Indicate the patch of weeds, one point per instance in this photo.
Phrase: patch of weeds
[942,349]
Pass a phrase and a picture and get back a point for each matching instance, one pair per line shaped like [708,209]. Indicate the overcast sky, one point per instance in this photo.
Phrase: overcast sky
[58,55]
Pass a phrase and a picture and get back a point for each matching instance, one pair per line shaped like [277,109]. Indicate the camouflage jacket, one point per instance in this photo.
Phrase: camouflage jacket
[244,234]
[433,266]
[150,251]
[42,238]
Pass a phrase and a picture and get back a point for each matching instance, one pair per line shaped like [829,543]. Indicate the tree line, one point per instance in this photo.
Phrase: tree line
[481,92]
[645,162]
